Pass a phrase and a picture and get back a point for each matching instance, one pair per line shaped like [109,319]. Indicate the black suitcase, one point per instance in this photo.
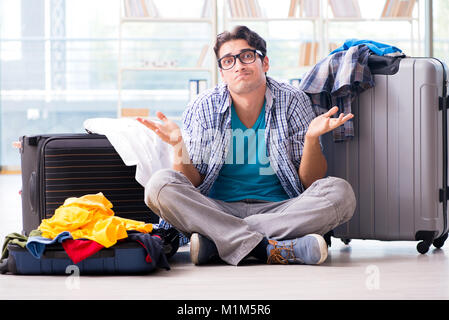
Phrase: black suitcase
[58,166]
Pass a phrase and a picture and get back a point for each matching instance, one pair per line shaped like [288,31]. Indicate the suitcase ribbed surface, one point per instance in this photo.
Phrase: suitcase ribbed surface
[74,172]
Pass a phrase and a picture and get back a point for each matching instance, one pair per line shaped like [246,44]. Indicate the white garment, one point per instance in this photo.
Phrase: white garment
[135,143]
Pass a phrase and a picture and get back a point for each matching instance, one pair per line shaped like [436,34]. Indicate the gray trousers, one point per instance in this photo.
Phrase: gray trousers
[237,227]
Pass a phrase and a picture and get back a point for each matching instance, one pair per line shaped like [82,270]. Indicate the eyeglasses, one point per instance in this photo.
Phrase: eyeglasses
[247,56]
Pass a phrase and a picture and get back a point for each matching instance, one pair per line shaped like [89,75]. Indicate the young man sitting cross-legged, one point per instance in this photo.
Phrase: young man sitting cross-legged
[249,175]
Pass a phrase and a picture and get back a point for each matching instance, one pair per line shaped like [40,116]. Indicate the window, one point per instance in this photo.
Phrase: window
[10,24]
[441,31]
[60,59]
[60,70]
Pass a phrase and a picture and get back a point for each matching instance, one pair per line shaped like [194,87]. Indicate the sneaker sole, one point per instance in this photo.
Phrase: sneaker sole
[195,248]
[323,247]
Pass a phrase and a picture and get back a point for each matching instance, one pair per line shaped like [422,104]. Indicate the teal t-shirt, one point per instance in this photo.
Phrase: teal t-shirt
[246,173]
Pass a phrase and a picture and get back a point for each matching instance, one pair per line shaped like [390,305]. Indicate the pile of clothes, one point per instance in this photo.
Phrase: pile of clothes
[86,225]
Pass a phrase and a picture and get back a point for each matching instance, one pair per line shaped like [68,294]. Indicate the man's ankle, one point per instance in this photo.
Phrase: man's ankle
[202,249]
[260,251]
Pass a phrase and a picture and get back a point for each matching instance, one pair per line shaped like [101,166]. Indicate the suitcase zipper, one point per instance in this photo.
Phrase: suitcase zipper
[443,106]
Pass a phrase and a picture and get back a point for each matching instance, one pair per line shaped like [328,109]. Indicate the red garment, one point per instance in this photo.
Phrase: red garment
[79,250]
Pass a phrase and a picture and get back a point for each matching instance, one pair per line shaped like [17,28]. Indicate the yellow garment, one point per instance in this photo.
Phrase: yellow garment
[90,217]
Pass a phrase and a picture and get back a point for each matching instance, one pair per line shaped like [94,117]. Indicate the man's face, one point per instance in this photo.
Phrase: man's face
[243,78]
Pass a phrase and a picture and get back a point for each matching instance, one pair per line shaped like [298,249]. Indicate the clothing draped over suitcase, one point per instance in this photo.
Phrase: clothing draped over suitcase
[337,80]
[36,244]
[378,48]
[136,145]
[80,249]
[13,238]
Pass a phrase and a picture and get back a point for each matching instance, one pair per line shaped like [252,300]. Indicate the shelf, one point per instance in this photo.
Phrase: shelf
[165,20]
[164,69]
[370,19]
[292,68]
[250,19]
[316,19]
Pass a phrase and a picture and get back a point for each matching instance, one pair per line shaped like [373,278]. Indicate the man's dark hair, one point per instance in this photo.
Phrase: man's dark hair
[241,32]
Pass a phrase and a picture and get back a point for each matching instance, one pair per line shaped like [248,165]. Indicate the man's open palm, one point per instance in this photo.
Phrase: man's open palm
[325,123]
[168,130]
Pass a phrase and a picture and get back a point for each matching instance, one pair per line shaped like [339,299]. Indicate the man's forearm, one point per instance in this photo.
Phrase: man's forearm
[182,163]
[313,163]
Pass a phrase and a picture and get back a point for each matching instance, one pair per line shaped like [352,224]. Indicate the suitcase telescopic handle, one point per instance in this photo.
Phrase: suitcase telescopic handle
[33,192]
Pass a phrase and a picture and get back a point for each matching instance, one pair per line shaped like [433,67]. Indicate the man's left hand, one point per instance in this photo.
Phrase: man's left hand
[324,123]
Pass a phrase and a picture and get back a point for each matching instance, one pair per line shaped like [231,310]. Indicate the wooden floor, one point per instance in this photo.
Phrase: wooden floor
[361,270]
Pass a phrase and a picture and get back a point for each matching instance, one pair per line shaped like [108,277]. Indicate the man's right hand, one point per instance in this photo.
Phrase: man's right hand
[168,130]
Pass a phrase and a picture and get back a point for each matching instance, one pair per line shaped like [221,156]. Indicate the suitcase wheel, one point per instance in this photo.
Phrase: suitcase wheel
[423,246]
[345,241]
[439,242]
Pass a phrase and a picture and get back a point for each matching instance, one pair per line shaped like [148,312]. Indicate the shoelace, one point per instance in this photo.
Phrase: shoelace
[276,253]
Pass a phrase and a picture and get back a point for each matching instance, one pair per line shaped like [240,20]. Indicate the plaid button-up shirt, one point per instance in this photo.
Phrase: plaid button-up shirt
[207,132]
[337,80]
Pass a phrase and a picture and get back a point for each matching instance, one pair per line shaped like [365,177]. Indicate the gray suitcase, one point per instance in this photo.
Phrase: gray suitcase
[397,161]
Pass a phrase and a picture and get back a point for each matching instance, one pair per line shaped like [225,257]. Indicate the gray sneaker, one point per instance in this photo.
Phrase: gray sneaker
[310,249]
[202,250]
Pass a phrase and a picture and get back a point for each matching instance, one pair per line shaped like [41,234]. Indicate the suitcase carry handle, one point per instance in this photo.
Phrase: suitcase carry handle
[33,192]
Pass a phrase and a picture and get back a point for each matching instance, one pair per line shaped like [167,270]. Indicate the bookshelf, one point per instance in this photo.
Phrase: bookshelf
[313,24]
[135,12]
[303,51]
[393,11]
[324,17]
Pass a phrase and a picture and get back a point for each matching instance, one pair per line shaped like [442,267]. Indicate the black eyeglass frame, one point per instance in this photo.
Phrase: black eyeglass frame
[237,56]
